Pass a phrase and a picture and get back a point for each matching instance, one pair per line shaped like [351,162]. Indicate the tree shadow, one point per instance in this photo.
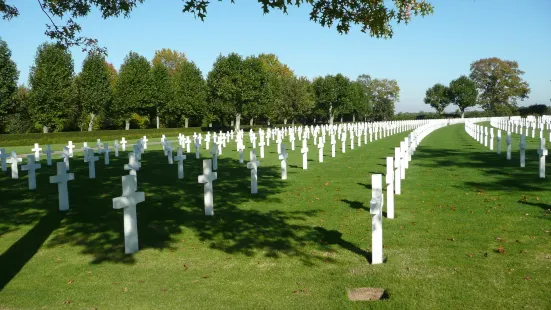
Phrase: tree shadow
[95,229]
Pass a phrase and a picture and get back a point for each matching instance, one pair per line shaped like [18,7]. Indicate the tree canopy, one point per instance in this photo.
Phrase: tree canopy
[462,93]
[94,86]
[438,97]
[8,80]
[499,84]
[371,16]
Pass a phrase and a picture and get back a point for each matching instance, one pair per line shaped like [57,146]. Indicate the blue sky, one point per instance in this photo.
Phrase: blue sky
[434,49]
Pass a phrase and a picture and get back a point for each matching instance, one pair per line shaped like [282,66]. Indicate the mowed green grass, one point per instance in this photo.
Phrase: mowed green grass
[299,243]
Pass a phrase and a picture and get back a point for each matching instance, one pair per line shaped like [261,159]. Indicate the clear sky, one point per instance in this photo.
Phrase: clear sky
[434,49]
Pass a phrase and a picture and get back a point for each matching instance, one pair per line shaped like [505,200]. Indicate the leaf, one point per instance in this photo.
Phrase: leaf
[452,239]
[70,281]
[527,278]
[67,302]
[206,276]
[501,249]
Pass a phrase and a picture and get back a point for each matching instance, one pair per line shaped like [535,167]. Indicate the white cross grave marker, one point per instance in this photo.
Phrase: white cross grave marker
[144,139]
[508,141]
[542,152]
[214,153]
[376,209]
[48,153]
[253,165]
[123,143]
[207,178]
[397,172]
[320,149]
[261,144]
[36,151]
[180,159]
[31,166]
[66,154]
[116,146]
[71,146]
[283,158]
[197,147]
[304,152]
[106,153]
[499,141]
[133,165]
[61,179]
[3,157]
[128,201]
[389,187]
[13,160]
[91,159]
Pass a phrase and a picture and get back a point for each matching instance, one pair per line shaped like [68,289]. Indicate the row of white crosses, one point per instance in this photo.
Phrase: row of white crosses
[395,172]
[479,133]
[520,125]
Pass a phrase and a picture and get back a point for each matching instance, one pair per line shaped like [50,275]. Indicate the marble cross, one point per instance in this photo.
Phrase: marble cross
[240,149]
[61,179]
[116,147]
[491,139]
[522,147]
[3,157]
[197,147]
[123,143]
[128,201]
[188,144]
[253,165]
[180,159]
[499,141]
[91,159]
[397,171]
[13,160]
[70,147]
[351,140]
[320,149]
[98,145]
[105,152]
[36,151]
[48,153]
[133,165]
[304,152]
[343,142]
[214,153]
[542,152]
[66,154]
[207,178]
[31,166]
[261,145]
[333,144]
[376,210]
[168,151]
[508,140]
[389,178]
[144,139]
[283,158]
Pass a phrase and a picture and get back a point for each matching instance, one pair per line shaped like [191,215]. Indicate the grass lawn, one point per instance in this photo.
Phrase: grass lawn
[299,243]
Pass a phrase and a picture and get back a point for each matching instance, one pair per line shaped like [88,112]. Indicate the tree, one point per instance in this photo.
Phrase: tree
[133,93]
[257,94]
[8,80]
[374,16]
[93,87]
[438,97]
[499,84]
[19,120]
[277,73]
[383,94]
[190,93]
[113,75]
[50,79]
[463,94]
[170,58]
[332,94]
[298,98]
[359,102]
[163,92]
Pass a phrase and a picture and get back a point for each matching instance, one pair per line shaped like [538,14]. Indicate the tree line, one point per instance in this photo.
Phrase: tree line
[494,84]
[171,91]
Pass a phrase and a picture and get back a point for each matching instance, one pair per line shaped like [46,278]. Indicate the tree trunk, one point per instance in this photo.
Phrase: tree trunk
[341,119]
[127,124]
[91,122]
[462,113]
[331,118]
[237,122]
[231,123]
[285,121]
[157,118]
[251,122]
[293,123]
[186,122]
[314,120]
[353,118]
[210,125]
[45,129]
[269,122]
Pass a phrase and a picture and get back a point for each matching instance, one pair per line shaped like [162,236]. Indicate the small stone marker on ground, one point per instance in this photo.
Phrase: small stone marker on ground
[253,165]
[14,161]
[207,178]
[61,179]
[180,159]
[542,152]
[31,166]
[376,210]
[366,294]
[128,201]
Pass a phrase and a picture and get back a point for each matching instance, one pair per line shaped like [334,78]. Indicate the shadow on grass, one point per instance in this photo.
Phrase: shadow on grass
[95,229]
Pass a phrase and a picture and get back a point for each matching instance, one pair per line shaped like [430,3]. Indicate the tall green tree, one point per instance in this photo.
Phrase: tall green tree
[499,84]
[190,93]
[332,95]
[94,88]
[375,17]
[463,94]
[134,90]
[438,97]
[8,80]
[277,73]
[170,58]
[260,89]
[50,80]
[163,91]
[383,94]
[298,99]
